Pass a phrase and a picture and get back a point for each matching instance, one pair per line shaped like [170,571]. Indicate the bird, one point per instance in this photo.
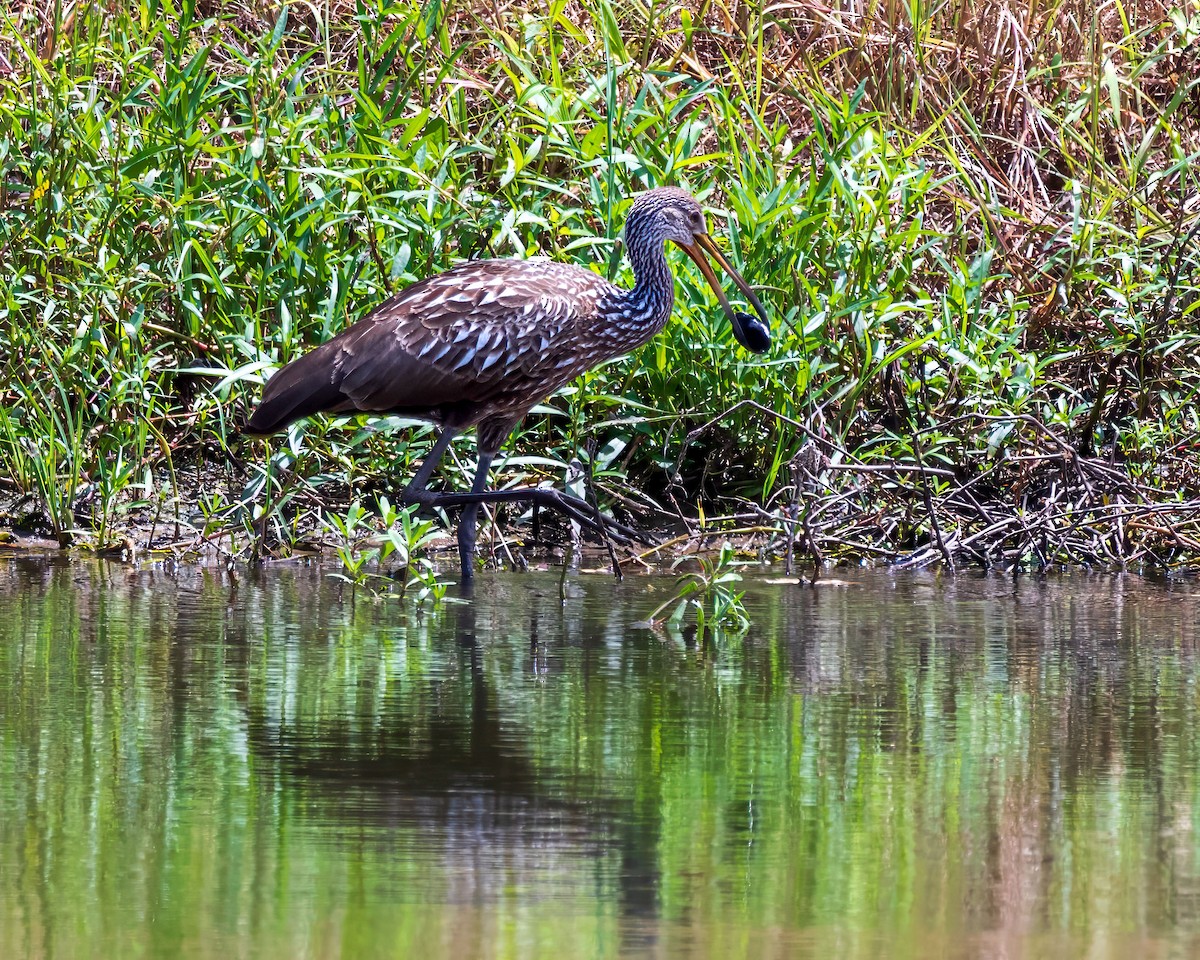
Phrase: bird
[481,343]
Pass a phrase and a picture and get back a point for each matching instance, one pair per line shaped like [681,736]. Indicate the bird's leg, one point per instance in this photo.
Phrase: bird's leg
[466,522]
[415,492]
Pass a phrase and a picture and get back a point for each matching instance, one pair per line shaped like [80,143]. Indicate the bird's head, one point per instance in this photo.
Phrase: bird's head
[668,213]
[674,213]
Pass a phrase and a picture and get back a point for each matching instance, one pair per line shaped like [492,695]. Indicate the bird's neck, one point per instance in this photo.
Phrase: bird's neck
[645,309]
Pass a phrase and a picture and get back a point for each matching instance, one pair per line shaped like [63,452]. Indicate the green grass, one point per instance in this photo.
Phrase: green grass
[967,231]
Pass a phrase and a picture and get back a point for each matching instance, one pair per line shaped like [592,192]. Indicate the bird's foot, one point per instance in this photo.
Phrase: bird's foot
[572,508]
[421,498]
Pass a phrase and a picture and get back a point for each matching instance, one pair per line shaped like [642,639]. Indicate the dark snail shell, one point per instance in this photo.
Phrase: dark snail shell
[751,332]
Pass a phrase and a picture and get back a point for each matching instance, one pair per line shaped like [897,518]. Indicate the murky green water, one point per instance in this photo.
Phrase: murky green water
[199,765]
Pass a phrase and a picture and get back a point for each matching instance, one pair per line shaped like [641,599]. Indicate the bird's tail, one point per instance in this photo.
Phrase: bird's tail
[303,387]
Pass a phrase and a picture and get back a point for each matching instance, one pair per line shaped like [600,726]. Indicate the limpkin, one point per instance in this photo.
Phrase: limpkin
[481,343]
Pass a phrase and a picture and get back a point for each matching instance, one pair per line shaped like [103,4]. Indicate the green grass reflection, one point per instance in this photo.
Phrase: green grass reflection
[204,765]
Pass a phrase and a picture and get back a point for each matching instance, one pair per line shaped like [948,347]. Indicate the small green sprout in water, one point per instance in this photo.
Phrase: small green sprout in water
[710,591]
[404,539]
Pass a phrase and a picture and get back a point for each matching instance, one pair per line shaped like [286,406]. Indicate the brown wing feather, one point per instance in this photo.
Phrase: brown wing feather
[453,348]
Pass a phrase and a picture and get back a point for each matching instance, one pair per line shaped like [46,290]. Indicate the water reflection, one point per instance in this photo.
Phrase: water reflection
[199,763]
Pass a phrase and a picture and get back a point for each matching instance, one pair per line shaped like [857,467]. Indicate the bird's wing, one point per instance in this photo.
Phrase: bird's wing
[458,336]
[506,332]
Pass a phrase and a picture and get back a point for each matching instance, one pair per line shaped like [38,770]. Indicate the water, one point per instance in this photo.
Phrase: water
[200,764]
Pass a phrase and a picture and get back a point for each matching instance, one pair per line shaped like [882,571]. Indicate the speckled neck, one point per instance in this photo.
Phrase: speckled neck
[649,302]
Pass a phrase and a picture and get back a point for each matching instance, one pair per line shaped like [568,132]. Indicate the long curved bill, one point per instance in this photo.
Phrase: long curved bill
[750,333]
